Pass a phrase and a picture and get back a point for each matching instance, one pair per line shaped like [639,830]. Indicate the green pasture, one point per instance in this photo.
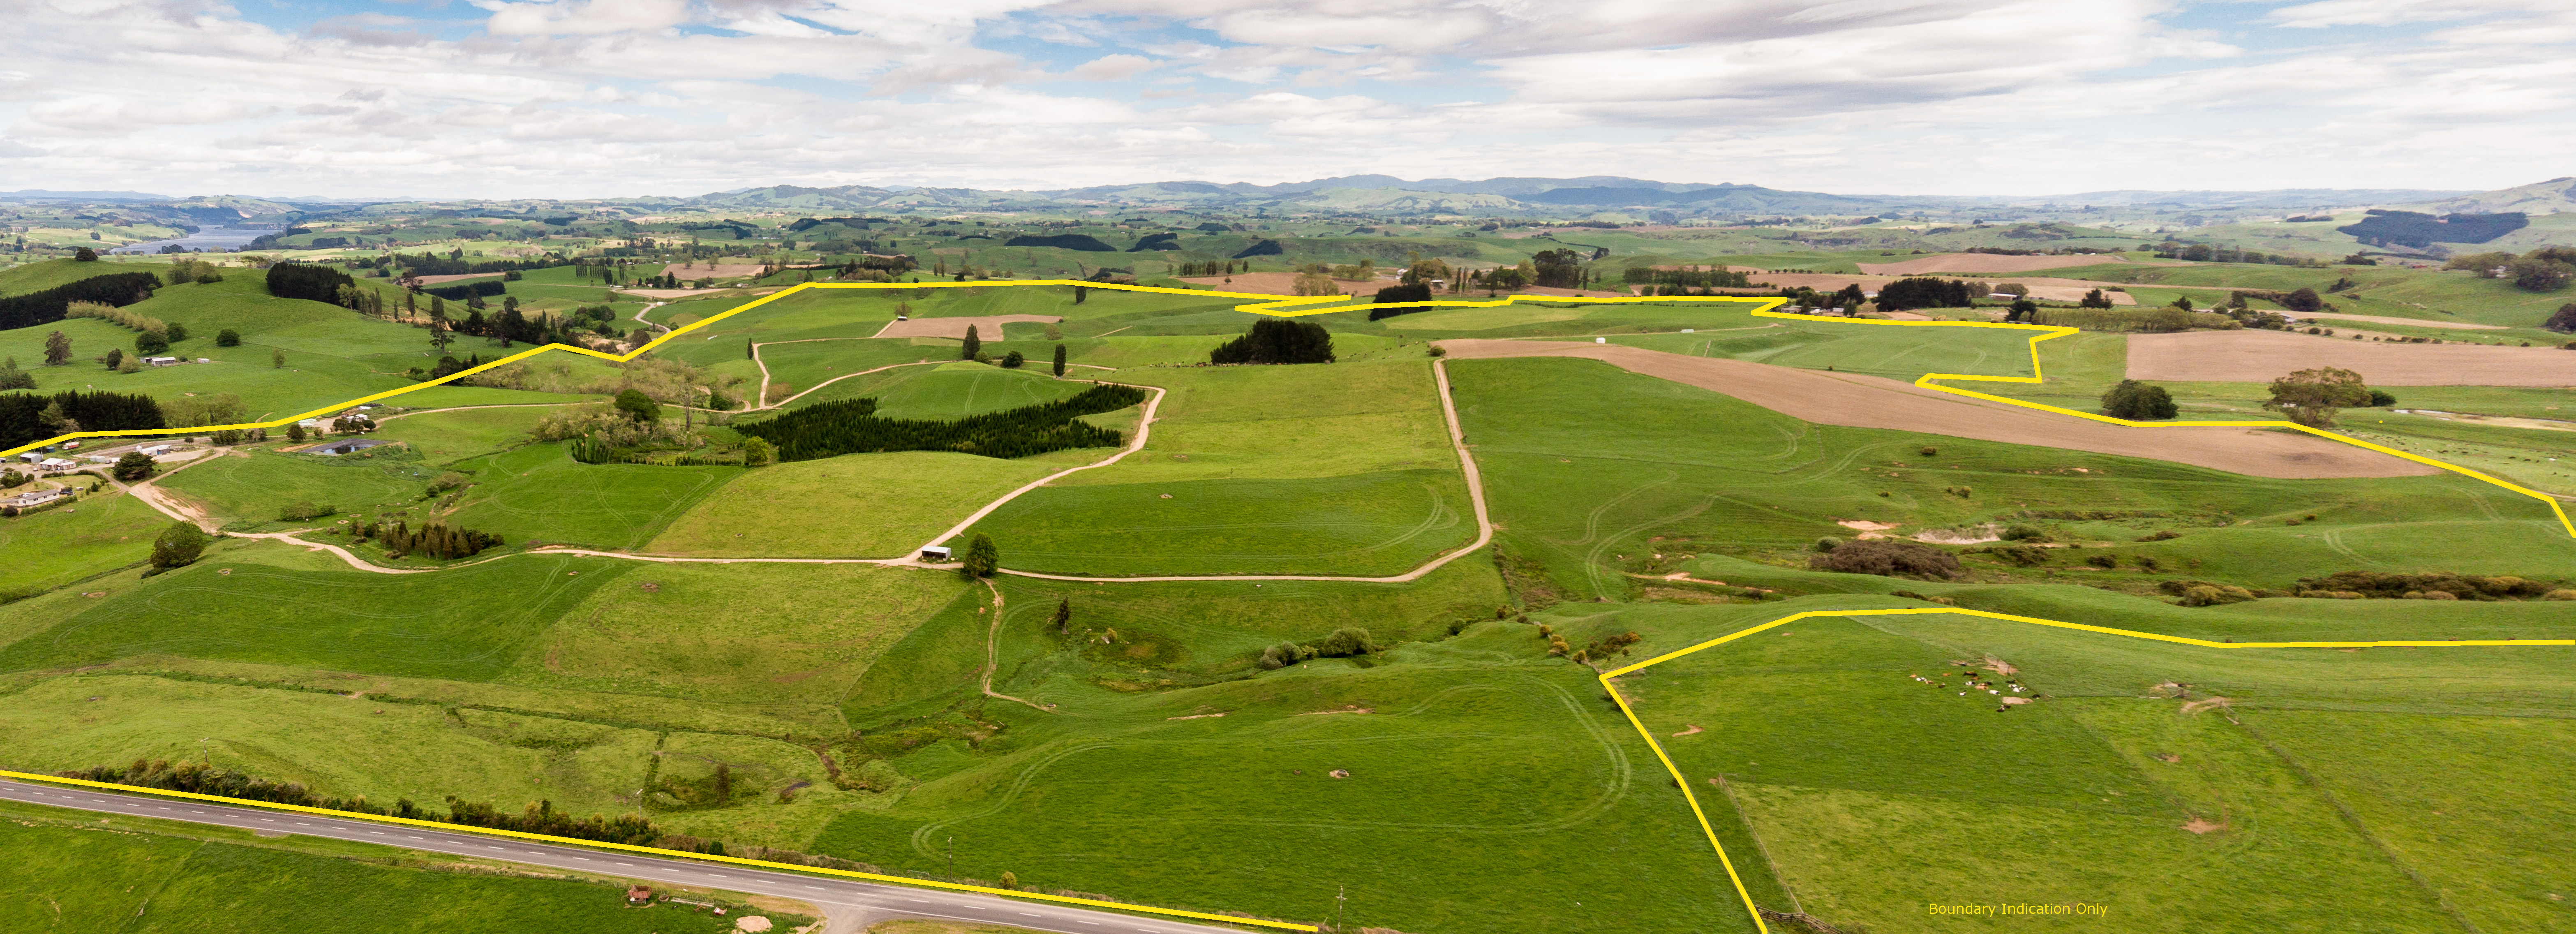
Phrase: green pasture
[264,604]
[1355,476]
[539,493]
[86,878]
[763,636]
[1894,351]
[1857,840]
[1370,524]
[45,274]
[1242,814]
[249,490]
[450,436]
[2382,290]
[852,506]
[67,543]
[1594,472]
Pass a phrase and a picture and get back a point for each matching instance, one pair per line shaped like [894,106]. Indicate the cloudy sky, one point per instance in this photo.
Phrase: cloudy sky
[585,98]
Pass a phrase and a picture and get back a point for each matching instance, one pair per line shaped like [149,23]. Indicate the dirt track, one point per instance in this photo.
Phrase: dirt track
[988,327]
[1984,264]
[1873,402]
[2261,356]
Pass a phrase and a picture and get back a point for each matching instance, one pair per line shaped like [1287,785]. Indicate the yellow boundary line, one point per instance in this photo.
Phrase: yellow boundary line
[657,851]
[1684,782]
[1316,305]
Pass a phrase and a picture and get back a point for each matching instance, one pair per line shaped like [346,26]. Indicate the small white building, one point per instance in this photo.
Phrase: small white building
[36,497]
[160,361]
[156,450]
[55,464]
[934,553]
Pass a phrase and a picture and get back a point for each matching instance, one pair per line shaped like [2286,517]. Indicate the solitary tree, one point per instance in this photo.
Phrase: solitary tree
[2138,401]
[757,452]
[228,338]
[2310,397]
[1059,359]
[2022,309]
[135,465]
[638,406]
[150,344]
[115,357]
[2095,299]
[84,255]
[178,545]
[295,432]
[982,557]
[277,359]
[974,344]
[1063,613]
[58,349]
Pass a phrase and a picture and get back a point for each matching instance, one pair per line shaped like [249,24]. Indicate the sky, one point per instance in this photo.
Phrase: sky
[614,98]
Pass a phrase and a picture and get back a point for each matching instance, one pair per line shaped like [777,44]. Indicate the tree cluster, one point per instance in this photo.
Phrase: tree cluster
[25,418]
[1924,292]
[851,426]
[1210,268]
[2421,231]
[435,540]
[1345,642]
[2311,397]
[309,281]
[48,306]
[1277,340]
[1399,293]
[1691,277]
[462,291]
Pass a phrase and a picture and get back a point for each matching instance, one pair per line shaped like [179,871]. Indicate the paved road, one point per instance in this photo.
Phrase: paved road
[848,904]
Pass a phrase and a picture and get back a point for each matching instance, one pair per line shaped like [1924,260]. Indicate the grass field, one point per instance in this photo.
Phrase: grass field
[1979,813]
[64,544]
[1356,477]
[540,493]
[89,878]
[276,608]
[447,437]
[1596,472]
[855,505]
[763,636]
[1897,352]
[250,489]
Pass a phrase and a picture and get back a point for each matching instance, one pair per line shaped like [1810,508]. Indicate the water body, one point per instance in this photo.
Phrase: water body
[209,239]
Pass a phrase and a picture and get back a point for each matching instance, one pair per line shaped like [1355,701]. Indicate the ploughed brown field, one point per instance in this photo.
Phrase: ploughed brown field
[1985,264]
[988,327]
[2262,356]
[1873,402]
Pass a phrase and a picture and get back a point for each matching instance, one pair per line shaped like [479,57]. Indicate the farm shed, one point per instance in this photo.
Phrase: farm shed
[934,553]
[337,448]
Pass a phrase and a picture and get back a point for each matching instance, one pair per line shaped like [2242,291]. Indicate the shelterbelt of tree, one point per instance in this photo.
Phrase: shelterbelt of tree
[1293,307]
[1610,685]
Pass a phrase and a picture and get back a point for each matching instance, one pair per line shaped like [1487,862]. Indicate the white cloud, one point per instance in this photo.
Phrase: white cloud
[615,97]
[1112,67]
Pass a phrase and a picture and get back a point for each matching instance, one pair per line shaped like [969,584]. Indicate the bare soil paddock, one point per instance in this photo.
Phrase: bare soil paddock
[2261,356]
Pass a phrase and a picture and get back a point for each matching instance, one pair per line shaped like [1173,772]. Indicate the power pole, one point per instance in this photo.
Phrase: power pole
[952,857]
[1341,894]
